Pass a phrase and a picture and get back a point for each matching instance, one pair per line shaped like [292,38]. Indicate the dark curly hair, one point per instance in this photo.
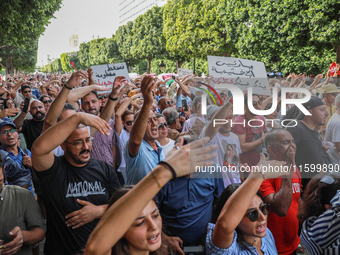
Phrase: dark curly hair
[122,246]
[227,192]
[317,195]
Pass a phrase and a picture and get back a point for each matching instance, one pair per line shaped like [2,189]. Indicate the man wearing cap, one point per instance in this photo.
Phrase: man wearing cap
[333,133]
[329,91]
[309,152]
[9,142]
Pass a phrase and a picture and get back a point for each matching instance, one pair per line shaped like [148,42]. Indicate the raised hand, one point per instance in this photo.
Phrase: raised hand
[94,121]
[146,87]
[76,78]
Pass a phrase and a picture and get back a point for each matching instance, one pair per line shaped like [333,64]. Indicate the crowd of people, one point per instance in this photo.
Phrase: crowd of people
[138,169]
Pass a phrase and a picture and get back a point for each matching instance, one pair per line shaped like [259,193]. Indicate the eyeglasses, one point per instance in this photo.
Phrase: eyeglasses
[27,91]
[162,125]
[254,215]
[129,123]
[230,117]
[6,132]
[80,144]
[329,179]
[47,101]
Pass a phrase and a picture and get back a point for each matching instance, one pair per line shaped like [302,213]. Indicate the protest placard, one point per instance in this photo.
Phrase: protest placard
[184,72]
[242,73]
[104,75]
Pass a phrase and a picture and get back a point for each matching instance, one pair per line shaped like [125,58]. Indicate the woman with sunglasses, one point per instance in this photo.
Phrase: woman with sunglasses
[134,218]
[166,143]
[47,101]
[319,211]
[240,217]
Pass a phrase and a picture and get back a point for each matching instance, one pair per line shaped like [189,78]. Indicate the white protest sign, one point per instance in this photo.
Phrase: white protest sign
[184,72]
[242,73]
[104,75]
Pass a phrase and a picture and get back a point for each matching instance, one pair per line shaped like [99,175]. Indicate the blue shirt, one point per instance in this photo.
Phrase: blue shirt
[179,100]
[18,160]
[146,160]
[186,205]
[36,93]
[268,245]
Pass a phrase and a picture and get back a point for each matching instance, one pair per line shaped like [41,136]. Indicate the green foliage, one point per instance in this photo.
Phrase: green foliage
[22,20]
[148,41]
[200,64]
[170,66]
[65,64]
[56,65]
[123,38]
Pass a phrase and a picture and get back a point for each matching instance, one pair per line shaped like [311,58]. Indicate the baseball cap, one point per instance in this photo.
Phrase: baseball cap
[311,104]
[5,122]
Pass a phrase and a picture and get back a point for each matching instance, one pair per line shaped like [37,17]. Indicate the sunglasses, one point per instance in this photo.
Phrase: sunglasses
[100,97]
[329,179]
[27,91]
[47,101]
[254,215]
[162,125]
[256,103]
[10,131]
[129,123]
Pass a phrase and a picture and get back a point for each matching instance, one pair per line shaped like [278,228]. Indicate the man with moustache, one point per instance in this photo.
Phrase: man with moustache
[283,193]
[76,187]
[143,152]
[31,128]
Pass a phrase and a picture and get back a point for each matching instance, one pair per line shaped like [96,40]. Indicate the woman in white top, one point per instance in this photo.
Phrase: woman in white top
[166,143]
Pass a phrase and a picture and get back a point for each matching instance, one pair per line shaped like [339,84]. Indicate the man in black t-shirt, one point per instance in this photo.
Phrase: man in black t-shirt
[309,150]
[76,188]
[31,128]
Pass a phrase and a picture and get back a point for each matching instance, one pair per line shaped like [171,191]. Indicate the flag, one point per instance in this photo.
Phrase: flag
[72,65]
[332,68]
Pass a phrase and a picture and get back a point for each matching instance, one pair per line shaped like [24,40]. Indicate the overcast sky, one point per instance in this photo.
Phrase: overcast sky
[87,18]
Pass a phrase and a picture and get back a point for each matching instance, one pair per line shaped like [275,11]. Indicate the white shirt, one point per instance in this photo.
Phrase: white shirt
[168,147]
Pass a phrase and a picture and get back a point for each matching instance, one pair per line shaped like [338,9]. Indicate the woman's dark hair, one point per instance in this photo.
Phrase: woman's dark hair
[122,246]
[227,192]
[126,113]
[316,196]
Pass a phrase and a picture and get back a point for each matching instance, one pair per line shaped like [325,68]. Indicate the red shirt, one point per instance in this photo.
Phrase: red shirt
[284,229]
[252,134]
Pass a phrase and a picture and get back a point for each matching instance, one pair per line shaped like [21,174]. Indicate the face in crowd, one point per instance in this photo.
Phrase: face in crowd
[319,115]
[91,104]
[145,232]
[37,110]
[128,122]
[226,128]
[162,128]
[9,136]
[78,146]
[283,148]
[47,101]
[27,92]
[151,132]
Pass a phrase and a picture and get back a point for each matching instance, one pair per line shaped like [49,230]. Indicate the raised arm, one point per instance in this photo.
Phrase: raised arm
[183,87]
[116,94]
[123,213]
[58,104]
[222,113]
[42,149]
[139,127]
[120,111]
[237,205]
[79,93]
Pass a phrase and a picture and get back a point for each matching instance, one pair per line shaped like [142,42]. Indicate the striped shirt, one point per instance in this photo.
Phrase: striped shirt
[268,245]
[102,145]
[321,235]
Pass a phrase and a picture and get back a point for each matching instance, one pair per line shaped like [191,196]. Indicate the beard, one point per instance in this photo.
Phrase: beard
[93,113]
[75,157]
[39,117]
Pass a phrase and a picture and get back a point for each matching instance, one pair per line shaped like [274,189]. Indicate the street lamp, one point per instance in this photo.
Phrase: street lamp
[162,66]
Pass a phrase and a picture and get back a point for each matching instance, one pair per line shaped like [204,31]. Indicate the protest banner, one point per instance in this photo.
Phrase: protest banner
[104,75]
[242,73]
[184,72]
